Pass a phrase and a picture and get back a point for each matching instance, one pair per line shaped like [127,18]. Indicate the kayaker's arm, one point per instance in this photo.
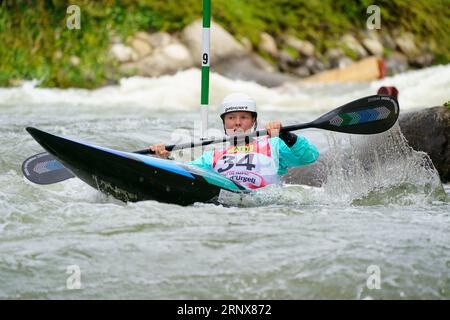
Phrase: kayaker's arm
[301,153]
[205,161]
[288,138]
[294,150]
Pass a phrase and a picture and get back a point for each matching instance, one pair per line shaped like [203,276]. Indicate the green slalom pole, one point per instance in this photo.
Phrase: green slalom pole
[205,67]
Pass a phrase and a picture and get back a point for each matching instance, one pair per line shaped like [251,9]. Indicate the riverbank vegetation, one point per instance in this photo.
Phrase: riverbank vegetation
[36,43]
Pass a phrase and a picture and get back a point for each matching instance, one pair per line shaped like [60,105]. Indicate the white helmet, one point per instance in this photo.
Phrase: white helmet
[237,102]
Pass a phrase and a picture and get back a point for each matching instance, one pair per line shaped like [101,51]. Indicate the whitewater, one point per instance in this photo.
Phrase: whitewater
[375,230]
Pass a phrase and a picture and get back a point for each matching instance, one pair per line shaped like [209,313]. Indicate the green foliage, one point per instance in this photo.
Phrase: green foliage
[36,44]
[350,53]
[291,52]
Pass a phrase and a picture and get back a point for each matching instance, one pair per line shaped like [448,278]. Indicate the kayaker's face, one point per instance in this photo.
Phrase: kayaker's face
[238,122]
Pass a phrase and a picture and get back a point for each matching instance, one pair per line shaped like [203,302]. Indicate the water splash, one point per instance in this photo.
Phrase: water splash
[272,195]
[380,169]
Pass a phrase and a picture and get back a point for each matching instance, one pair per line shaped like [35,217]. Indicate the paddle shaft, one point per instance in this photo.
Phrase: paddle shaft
[234,139]
[368,115]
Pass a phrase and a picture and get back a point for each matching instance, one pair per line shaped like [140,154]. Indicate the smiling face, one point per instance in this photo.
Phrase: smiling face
[238,122]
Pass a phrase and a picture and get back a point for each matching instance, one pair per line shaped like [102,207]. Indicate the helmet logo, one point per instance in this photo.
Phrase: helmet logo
[235,108]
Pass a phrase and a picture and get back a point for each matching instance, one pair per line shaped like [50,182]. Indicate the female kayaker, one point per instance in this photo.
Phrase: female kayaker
[255,163]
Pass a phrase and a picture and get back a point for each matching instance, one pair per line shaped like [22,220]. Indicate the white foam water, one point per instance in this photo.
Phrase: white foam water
[380,169]
[381,205]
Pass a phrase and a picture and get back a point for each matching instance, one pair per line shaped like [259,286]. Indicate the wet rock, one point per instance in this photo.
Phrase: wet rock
[429,131]
[311,175]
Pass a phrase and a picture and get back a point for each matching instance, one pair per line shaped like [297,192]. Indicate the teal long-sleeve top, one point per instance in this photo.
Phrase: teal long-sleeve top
[301,153]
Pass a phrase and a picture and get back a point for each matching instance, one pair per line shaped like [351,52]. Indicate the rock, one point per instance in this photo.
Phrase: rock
[396,63]
[429,131]
[373,46]
[286,59]
[301,71]
[311,175]
[249,68]
[123,53]
[304,47]
[267,44]
[141,47]
[230,58]
[160,39]
[176,52]
[405,43]
[223,45]
[261,63]
[422,61]
[353,44]
[387,41]
[286,62]
[144,36]
[166,60]
[314,65]
[247,44]
[333,55]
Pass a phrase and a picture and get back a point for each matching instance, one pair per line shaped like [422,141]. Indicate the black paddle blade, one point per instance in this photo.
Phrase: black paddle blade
[369,115]
[43,168]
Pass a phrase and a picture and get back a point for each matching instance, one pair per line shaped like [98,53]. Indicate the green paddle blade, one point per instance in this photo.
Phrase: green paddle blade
[368,115]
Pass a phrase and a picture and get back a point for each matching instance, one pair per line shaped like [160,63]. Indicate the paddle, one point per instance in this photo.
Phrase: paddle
[368,115]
